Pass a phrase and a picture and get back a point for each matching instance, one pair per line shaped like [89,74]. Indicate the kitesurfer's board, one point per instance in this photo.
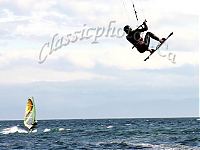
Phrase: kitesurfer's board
[30,114]
[159,46]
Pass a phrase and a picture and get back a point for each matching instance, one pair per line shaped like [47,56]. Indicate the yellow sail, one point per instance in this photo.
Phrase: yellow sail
[30,114]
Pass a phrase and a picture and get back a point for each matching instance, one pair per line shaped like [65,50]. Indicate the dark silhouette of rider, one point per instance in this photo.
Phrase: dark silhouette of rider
[133,36]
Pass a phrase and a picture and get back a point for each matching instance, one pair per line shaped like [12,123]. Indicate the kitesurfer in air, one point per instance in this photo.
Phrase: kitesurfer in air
[142,45]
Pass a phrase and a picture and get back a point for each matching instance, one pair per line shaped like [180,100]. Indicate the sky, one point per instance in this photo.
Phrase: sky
[74,59]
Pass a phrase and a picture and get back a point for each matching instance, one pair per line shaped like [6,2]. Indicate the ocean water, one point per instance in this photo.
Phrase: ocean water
[147,134]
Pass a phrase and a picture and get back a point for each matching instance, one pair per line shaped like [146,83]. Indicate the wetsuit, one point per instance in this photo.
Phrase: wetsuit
[135,38]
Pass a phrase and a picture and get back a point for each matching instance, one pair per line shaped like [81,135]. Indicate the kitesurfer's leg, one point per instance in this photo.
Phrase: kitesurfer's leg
[151,50]
[153,36]
[147,39]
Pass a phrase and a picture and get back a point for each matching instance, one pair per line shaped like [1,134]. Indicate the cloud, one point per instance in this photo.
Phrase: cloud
[127,60]
[81,99]
[45,19]
[184,7]
[81,78]
[29,75]
[109,58]
[23,67]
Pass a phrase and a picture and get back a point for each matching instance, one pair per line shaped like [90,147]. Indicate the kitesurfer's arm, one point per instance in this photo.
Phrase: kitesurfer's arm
[144,27]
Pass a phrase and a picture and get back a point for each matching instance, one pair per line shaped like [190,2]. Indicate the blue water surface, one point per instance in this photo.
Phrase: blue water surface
[155,134]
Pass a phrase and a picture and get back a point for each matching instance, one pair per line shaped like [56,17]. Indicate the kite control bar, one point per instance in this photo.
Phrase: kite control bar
[141,24]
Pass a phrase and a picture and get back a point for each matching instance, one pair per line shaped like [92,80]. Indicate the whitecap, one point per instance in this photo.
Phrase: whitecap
[108,127]
[143,145]
[128,124]
[34,131]
[171,147]
[47,130]
[61,129]
[13,129]
[68,129]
